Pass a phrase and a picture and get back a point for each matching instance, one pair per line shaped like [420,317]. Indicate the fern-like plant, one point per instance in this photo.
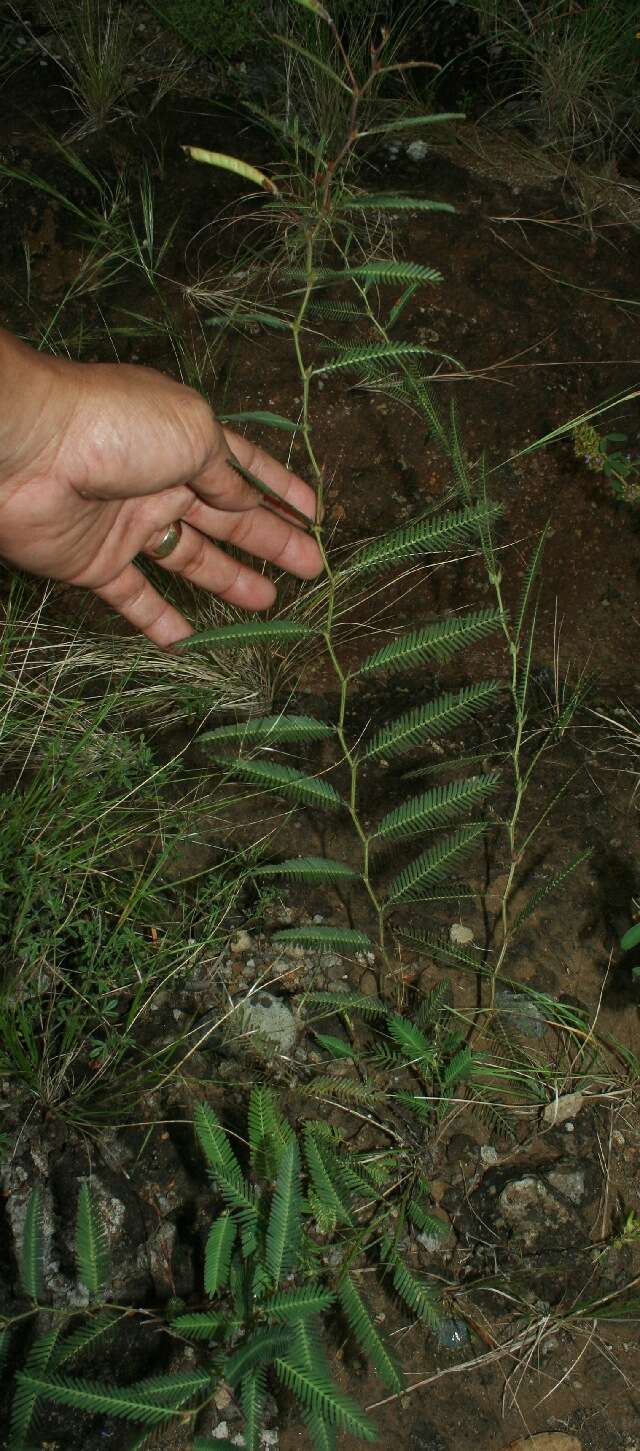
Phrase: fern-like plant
[335,278]
[268,1287]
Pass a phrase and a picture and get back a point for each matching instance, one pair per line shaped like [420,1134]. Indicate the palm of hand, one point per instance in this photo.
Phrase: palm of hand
[116,454]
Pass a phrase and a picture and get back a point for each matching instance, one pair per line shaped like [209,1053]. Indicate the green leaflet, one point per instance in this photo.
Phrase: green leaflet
[287,781]
[124,1403]
[86,1337]
[345,938]
[434,534]
[310,868]
[226,1172]
[283,1230]
[386,201]
[413,121]
[32,1255]
[333,1201]
[201,1325]
[437,807]
[269,730]
[256,415]
[347,1003]
[435,719]
[91,1244]
[323,1436]
[368,1336]
[437,642]
[25,1398]
[631,938]
[335,311]
[359,357]
[216,1147]
[551,886]
[252,1397]
[412,1043]
[269,1132]
[297,1304]
[217,1259]
[249,632]
[317,1393]
[245,319]
[337,1047]
[377,272]
[415,1292]
[260,1349]
[435,864]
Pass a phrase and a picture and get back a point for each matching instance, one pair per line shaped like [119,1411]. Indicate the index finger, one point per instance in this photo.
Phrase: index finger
[219,484]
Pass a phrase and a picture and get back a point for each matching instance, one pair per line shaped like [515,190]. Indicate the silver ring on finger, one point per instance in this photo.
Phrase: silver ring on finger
[168,542]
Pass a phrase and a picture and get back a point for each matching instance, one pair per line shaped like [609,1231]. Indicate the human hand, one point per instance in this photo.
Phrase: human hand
[97,460]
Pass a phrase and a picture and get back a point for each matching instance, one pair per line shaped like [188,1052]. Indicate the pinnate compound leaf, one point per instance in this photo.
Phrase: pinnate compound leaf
[385,272]
[269,1132]
[283,1230]
[246,632]
[366,1332]
[267,730]
[287,781]
[345,939]
[310,868]
[91,1244]
[437,807]
[359,357]
[415,1292]
[347,1003]
[261,1349]
[32,1255]
[387,201]
[317,1393]
[434,534]
[297,1304]
[435,864]
[252,1397]
[124,1403]
[436,642]
[432,720]
[25,1399]
[201,1325]
[217,1259]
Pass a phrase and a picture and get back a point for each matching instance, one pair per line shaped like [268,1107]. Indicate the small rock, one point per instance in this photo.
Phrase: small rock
[522,1013]
[271,1023]
[563,1108]
[417,150]
[221,1431]
[460,934]
[488,1155]
[222,1398]
[452,1333]
[242,943]
[533,1213]
[439,1188]
[368,984]
[569,1180]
